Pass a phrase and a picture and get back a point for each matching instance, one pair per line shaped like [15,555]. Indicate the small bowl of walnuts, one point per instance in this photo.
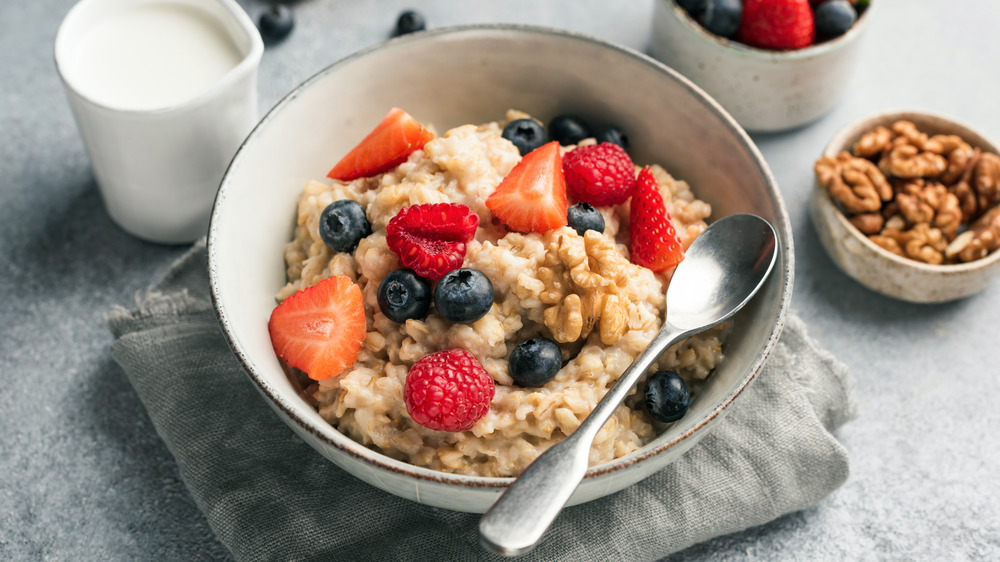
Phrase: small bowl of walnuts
[908,204]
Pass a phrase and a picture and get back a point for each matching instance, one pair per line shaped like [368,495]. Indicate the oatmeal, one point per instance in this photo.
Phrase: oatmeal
[581,291]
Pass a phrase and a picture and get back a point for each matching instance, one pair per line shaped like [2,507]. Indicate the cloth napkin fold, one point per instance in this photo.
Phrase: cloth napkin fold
[269,496]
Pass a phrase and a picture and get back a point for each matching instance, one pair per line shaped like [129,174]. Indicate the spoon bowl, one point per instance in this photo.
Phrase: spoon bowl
[722,270]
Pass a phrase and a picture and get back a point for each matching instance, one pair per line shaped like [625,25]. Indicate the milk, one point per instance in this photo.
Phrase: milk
[152,55]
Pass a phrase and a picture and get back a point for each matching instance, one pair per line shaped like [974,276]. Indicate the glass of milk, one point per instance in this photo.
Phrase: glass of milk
[163,92]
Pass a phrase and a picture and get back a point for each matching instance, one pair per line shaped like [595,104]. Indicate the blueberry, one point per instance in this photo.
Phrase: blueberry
[534,362]
[568,129]
[526,134]
[722,17]
[583,217]
[667,396]
[463,295]
[409,21]
[276,23]
[613,135]
[834,17]
[403,295]
[693,7]
[343,224]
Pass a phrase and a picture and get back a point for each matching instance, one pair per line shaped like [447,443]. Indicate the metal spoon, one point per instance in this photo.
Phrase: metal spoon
[722,270]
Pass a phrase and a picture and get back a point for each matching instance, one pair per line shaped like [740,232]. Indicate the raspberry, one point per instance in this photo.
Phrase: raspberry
[600,174]
[430,239]
[448,390]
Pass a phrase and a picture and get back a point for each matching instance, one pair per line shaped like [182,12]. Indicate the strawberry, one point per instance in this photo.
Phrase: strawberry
[601,174]
[388,145]
[653,241]
[430,239]
[319,329]
[532,198]
[777,24]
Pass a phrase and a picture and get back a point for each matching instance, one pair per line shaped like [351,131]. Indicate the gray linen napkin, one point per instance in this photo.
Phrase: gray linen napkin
[269,496]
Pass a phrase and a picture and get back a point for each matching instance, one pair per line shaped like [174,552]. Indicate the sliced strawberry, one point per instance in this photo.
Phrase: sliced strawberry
[320,329]
[653,241]
[391,142]
[532,198]
[431,239]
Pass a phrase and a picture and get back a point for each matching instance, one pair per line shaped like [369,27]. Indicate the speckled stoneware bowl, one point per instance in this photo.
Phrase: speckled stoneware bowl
[445,78]
[877,268]
[764,90]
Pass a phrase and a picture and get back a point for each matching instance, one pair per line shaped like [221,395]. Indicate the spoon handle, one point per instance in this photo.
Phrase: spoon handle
[522,514]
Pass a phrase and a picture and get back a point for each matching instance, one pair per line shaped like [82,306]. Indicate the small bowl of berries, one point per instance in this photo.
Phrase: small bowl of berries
[772,64]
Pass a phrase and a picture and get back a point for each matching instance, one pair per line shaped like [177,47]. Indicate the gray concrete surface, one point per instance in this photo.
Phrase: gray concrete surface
[83,475]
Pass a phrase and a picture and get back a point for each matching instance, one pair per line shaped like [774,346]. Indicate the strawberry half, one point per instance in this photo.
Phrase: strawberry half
[653,241]
[391,142]
[532,198]
[777,24]
[431,239]
[320,329]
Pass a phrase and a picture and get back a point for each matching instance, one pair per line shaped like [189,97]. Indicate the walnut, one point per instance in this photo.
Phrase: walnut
[986,180]
[921,201]
[909,161]
[583,279]
[855,183]
[922,243]
[959,154]
[873,142]
[868,223]
[982,238]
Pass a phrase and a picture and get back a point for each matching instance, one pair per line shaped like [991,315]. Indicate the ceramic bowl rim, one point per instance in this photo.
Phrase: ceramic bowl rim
[847,135]
[737,48]
[375,459]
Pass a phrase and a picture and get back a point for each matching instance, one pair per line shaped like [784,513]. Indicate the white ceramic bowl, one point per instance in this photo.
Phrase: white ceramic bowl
[877,268]
[764,90]
[449,77]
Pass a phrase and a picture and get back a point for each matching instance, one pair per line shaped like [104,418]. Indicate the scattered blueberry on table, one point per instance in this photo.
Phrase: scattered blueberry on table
[526,134]
[276,23]
[409,21]
[534,362]
[343,224]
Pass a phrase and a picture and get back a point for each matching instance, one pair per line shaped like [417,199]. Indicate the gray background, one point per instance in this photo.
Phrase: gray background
[83,475]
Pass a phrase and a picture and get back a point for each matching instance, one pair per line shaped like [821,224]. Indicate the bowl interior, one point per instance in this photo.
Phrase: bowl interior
[450,77]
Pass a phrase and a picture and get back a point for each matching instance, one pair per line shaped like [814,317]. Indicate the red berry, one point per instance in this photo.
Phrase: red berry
[388,145]
[653,241]
[431,238]
[777,24]
[320,329]
[448,390]
[532,198]
[600,174]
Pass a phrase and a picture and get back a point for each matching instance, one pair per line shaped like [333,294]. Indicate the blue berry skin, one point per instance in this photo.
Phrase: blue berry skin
[409,21]
[722,17]
[613,135]
[276,23]
[403,295]
[583,217]
[693,7]
[534,362]
[834,17]
[667,396]
[569,129]
[343,224]
[463,295]
[526,134]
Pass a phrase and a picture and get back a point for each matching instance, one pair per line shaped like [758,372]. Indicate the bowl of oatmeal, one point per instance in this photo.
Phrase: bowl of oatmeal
[908,204]
[446,219]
